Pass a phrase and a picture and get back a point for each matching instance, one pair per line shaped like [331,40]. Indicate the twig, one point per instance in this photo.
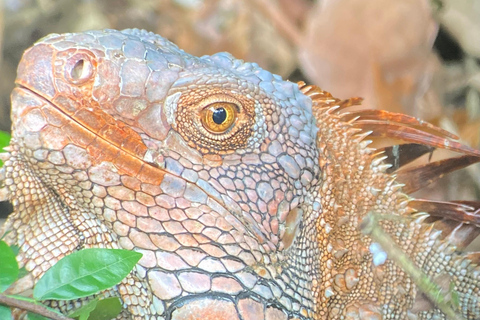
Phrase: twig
[31,307]
[371,227]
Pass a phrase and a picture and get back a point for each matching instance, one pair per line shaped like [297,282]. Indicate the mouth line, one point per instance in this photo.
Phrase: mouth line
[148,152]
[125,142]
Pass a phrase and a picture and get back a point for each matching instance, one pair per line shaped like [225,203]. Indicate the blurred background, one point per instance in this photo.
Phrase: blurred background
[419,57]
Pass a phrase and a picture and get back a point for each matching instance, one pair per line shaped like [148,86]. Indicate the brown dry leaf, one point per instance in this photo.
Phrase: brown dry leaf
[377,49]
[229,25]
[461,19]
[296,10]
[475,81]
[93,17]
[468,128]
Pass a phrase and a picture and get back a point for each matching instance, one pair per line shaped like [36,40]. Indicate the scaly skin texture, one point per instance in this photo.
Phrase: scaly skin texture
[252,218]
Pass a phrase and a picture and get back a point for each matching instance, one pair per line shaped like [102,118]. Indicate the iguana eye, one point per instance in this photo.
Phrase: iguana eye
[219,117]
[214,120]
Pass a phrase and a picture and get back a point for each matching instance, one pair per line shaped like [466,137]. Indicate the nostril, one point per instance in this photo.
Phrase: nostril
[79,69]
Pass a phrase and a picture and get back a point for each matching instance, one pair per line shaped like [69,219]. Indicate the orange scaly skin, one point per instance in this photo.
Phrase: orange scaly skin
[244,193]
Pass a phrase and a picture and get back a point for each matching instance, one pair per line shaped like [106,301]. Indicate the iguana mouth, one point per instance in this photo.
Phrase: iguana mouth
[103,137]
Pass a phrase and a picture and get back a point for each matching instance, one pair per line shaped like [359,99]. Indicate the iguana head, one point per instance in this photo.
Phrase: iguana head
[208,166]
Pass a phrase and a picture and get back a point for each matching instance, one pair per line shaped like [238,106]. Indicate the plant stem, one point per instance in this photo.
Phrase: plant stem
[31,307]
[371,227]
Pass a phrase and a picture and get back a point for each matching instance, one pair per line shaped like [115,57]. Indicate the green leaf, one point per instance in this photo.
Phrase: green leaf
[8,267]
[95,309]
[455,296]
[4,141]
[106,309]
[5,234]
[15,249]
[22,272]
[84,273]
[34,316]
[5,312]
[4,138]
[84,311]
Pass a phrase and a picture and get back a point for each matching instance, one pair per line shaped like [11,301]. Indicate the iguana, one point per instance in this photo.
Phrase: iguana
[244,192]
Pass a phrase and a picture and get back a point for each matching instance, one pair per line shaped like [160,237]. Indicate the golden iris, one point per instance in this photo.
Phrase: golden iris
[219,117]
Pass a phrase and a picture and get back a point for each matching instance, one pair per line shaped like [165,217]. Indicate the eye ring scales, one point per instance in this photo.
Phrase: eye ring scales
[215,121]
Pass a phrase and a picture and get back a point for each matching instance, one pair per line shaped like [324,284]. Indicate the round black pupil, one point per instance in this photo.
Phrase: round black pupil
[219,115]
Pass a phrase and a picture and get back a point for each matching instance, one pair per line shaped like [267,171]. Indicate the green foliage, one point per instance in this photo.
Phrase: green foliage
[34,316]
[96,309]
[15,249]
[8,267]
[83,273]
[4,141]
[83,312]
[106,309]
[455,296]
[5,313]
